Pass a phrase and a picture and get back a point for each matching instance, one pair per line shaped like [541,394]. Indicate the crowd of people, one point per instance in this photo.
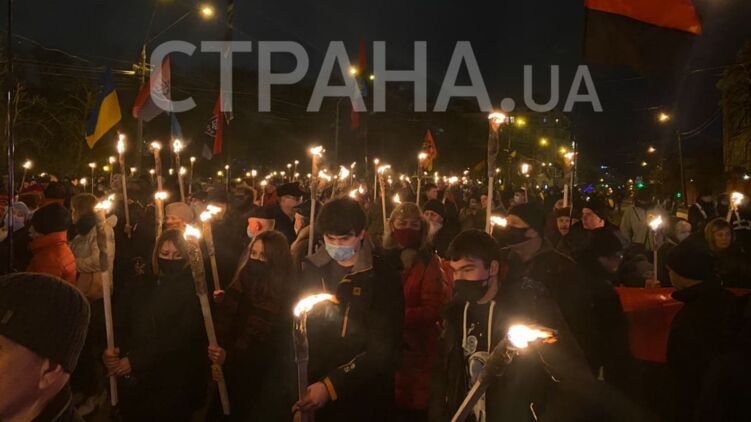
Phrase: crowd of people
[419,304]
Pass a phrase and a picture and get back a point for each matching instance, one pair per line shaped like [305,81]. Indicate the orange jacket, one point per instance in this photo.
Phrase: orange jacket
[51,255]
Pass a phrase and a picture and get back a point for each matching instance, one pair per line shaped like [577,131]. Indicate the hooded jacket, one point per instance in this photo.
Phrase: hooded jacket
[51,255]
[355,344]
[86,250]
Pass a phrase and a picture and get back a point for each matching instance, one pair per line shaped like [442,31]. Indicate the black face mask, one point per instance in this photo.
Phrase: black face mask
[257,268]
[172,267]
[470,290]
[512,236]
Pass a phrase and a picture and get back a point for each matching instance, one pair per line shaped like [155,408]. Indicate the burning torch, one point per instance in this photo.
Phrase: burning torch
[192,235]
[381,170]
[123,181]
[159,198]
[102,208]
[156,149]
[655,224]
[300,336]
[206,217]
[316,154]
[420,158]
[177,146]
[518,338]
[736,198]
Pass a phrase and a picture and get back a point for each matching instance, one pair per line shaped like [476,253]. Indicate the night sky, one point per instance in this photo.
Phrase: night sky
[505,35]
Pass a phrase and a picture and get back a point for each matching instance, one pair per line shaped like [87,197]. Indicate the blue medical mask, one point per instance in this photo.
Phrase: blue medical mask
[340,253]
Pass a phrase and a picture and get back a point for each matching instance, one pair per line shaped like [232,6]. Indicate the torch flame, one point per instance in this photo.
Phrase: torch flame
[382,169]
[156,145]
[521,335]
[655,222]
[737,198]
[316,151]
[353,194]
[121,144]
[193,232]
[177,146]
[497,117]
[497,220]
[213,209]
[27,165]
[192,160]
[422,156]
[104,205]
[397,200]
[306,304]
[343,172]
[161,195]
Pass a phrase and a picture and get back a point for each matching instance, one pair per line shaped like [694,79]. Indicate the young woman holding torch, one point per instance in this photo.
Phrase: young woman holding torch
[161,358]
[252,324]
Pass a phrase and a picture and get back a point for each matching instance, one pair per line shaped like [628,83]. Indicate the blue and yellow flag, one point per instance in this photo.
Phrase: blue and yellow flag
[106,112]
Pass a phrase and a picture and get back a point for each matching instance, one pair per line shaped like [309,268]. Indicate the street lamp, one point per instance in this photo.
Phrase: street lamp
[207,11]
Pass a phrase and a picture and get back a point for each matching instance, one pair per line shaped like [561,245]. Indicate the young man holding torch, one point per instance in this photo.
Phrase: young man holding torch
[354,350]
[554,380]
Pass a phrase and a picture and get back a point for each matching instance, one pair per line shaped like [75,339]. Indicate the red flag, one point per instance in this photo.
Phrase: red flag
[145,107]
[429,147]
[215,127]
[652,37]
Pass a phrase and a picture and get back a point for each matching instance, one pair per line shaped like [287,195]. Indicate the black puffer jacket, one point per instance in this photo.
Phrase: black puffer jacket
[355,345]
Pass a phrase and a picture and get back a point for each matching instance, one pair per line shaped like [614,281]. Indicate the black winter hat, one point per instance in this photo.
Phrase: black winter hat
[264,213]
[563,212]
[436,206]
[598,205]
[692,259]
[532,214]
[290,189]
[44,314]
[51,218]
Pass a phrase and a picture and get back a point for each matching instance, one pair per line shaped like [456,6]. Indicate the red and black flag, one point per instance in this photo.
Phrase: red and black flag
[653,37]
[214,131]
[154,93]
[429,148]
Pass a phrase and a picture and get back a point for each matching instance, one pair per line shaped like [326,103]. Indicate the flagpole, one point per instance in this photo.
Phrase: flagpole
[139,133]
[9,122]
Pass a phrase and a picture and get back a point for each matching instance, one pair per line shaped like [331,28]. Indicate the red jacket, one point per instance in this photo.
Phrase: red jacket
[51,255]
[425,292]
